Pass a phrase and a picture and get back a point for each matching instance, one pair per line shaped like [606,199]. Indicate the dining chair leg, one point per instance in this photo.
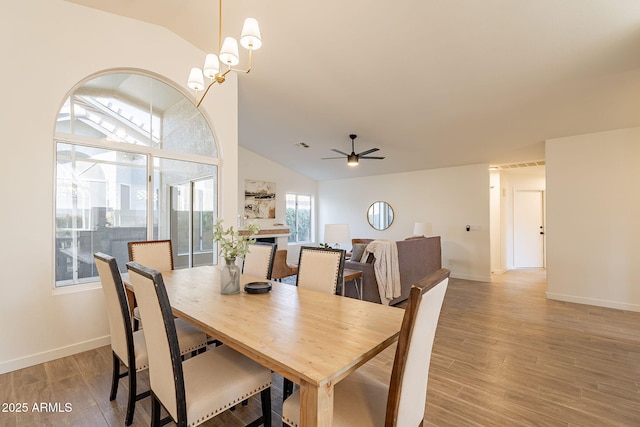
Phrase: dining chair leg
[155,411]
[265,400]
[115,377]
[265,418]
[131,404]
[287,388]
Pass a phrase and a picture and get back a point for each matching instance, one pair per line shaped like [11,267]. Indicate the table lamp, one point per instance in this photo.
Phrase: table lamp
[419,229]
[336,234]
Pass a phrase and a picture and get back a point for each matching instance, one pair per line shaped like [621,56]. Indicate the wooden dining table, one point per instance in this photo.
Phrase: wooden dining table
[312,338]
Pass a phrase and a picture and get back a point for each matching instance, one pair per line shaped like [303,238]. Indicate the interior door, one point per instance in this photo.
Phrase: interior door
[528,233]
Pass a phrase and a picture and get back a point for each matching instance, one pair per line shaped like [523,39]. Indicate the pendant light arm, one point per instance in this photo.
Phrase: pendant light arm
[248,70]
[220,78]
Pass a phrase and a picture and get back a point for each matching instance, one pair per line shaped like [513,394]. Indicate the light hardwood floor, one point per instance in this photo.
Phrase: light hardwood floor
[504,356]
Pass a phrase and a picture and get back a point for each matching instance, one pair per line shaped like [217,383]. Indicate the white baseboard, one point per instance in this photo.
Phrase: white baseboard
[470,277]
[57,353]
[593,301]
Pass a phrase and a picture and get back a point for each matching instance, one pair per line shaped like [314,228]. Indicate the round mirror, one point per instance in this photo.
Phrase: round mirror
[380,215]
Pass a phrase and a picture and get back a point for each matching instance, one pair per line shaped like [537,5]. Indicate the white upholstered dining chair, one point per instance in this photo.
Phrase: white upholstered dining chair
[361,400]
[203,386]
[156,254]
[258,262]
[128,346]
[320,269]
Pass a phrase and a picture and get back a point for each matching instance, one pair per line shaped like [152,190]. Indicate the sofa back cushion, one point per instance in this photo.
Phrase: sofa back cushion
[417,259]
[357,251]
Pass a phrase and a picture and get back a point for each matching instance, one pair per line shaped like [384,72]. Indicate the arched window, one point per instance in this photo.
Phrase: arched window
[135,160]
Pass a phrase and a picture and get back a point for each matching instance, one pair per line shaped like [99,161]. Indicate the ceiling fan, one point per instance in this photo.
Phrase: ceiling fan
[353,159]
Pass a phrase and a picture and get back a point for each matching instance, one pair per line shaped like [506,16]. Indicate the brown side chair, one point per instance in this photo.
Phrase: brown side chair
[281,268]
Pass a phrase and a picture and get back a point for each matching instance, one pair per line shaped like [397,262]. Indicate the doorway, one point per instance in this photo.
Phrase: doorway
[528,229]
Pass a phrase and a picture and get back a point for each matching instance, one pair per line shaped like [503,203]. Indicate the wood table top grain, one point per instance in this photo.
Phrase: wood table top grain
[312,338]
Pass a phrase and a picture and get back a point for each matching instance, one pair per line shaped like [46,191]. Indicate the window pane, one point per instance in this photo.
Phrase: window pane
[304,218]
[183,191]
[139,110]
[291,216]
[100,206]
[203,219]
[299,217]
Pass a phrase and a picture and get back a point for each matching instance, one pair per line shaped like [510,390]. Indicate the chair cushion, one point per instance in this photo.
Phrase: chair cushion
[190,338]
[218,379]
[359,400]
[140,348]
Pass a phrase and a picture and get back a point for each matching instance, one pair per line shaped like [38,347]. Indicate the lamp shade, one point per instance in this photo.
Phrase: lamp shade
[419,229]
[211,66]
[196,80]
[229,53]
[336,233]
[250,38]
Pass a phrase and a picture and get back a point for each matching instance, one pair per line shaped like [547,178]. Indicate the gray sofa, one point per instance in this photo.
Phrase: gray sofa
[417,258]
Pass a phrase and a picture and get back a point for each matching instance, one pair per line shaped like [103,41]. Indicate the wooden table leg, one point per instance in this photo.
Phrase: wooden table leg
[316,405]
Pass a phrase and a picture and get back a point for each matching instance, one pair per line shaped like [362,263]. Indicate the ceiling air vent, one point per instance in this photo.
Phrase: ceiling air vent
[520,165]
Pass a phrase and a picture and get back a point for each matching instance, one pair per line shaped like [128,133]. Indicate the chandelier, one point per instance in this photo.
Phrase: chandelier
[228,56]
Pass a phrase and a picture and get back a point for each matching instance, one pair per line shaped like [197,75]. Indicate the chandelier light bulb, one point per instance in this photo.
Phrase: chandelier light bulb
[196,79]
[211,66]
[229,53]
[251,38]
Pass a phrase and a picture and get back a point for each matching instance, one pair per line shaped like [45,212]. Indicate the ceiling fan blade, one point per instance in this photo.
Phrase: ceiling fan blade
[364,153]
[330,158]
[339,152]
[373,157]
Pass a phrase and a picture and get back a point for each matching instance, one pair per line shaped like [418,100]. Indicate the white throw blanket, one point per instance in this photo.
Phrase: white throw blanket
[386,268]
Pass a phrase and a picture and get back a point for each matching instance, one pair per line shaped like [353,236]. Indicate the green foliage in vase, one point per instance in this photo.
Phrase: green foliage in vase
[230,243]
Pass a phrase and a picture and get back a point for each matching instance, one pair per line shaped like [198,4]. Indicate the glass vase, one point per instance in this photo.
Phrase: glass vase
[230,277]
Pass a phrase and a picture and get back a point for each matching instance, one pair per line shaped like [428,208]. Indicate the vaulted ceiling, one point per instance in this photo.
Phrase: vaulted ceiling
[431,83]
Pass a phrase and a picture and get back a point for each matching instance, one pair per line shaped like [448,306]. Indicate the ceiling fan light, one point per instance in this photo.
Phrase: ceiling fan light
[352,160]
[229,53]
[211,66]
[196,80]
[250,38]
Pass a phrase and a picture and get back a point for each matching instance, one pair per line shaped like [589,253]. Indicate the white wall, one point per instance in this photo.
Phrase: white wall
[496,217]
[48,46]
[254,166]
[593,212]
[445,199]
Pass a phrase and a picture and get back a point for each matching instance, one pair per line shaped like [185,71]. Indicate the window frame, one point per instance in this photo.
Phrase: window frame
[151,154]
[294,229]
